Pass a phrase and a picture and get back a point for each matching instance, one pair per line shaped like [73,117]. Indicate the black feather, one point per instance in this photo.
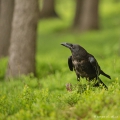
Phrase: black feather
[70,63]
[84,64]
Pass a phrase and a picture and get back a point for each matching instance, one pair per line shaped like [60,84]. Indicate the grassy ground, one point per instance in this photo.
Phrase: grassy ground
[46,97]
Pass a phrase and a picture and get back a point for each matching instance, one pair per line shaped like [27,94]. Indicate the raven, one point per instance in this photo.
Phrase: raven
[84,64]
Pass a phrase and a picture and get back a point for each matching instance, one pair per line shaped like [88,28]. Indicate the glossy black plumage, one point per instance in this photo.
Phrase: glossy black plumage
[84,64]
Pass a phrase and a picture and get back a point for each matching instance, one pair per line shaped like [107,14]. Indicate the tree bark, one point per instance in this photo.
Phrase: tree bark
[0,7]
[48,9]
[87,16]
[6,15]
[78,12]
[23,38]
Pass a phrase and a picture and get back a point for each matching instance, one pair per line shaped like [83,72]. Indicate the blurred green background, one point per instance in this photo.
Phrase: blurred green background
[103,43]
[52,101]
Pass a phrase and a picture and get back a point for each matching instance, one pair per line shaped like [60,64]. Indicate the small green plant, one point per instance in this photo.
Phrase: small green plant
[27,98]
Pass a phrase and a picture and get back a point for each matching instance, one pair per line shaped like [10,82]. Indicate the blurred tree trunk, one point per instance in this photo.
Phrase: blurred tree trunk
[48,9]
[0,7]
[6,15]
[87,15]
[23,38]
[78,12]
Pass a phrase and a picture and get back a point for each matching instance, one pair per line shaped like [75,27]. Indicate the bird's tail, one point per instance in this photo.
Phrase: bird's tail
[101,72]
[100,82]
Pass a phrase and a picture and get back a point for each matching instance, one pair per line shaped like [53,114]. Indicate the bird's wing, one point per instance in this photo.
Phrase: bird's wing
[70,63]
[95,65]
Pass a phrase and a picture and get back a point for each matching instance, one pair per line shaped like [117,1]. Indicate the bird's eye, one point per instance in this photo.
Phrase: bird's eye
[73,46]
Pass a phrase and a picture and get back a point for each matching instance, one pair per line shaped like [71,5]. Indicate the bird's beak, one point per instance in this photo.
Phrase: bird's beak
[66,45]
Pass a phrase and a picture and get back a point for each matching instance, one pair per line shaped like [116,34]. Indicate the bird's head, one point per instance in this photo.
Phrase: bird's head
[72,47]
[76,50]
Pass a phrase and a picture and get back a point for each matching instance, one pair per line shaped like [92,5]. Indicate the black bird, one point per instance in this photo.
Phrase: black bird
[84,64]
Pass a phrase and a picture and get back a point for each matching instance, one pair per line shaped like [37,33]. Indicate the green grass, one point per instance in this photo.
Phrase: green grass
[46,97]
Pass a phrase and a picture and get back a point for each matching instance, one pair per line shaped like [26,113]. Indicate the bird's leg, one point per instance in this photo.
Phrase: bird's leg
[87,78]
[78,78]
[89,83]
[100,82]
